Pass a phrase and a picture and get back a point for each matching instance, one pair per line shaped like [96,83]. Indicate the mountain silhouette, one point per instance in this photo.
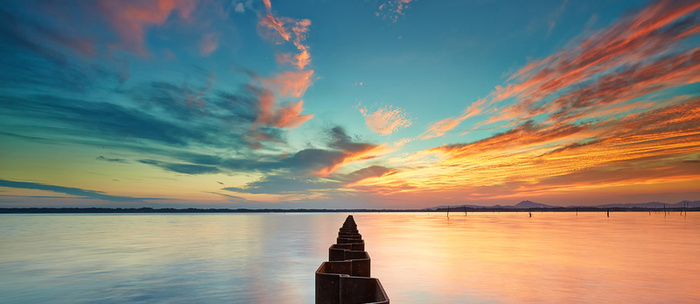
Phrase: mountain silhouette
[531,204]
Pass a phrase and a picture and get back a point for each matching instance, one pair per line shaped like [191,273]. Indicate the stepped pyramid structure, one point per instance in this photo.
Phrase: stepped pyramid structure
[345,277]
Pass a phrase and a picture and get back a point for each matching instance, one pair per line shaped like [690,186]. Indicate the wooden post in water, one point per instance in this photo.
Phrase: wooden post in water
[608,212]
[345,277]
[448,210]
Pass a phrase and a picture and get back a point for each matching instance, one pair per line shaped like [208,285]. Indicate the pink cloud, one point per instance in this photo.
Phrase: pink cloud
[386,120]
[392,9]
[208,44]
[286,84]
[283,29]
[131,18]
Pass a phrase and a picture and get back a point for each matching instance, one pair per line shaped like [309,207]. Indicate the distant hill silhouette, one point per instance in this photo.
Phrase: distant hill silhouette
[531,204]
[526,204]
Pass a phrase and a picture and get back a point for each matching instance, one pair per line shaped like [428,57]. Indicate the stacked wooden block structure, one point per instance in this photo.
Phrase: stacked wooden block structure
[345,277]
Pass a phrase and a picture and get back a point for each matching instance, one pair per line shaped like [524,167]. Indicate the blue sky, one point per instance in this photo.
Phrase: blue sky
[342,104]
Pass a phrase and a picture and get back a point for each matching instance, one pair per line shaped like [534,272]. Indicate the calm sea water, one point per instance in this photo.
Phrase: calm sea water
[419,257]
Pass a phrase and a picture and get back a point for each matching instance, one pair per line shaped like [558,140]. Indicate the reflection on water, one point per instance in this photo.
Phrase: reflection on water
[419,257]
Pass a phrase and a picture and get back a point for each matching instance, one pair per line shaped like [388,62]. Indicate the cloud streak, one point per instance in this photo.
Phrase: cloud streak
[601,106]
[643,53]
[114,160]
[182,168]
[531,155]
[81,193]
[441,127]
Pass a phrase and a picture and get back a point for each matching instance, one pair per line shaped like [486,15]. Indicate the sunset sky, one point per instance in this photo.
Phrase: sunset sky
[348,104]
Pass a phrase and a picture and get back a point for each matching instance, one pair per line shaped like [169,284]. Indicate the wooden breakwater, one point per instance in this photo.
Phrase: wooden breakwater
[345,277]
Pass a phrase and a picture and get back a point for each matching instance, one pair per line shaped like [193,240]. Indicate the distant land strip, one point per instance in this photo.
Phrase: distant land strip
[455,210]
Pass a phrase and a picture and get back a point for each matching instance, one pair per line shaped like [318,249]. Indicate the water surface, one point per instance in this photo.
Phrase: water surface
[419,257]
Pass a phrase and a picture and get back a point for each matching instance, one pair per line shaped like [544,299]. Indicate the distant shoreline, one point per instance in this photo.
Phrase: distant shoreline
[455,211]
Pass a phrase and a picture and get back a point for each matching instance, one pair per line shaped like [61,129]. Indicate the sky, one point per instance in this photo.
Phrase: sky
[348,104]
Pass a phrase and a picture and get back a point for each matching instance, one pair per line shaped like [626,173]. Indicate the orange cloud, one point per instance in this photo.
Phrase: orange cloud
[630,59]
[285,116]
[290,115]
[131,18]
[386,120]
[368,152]
[441,127]
[300,60]
[531,157]
[272,28]
[289,84]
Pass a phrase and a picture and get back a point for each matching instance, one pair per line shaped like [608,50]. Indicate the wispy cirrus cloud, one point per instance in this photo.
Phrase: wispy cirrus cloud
[533,154]
[386,120]
[182,168]
[285,84]
[350,151]
[642,53]
[441,127]
[605,103]
[285,29]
